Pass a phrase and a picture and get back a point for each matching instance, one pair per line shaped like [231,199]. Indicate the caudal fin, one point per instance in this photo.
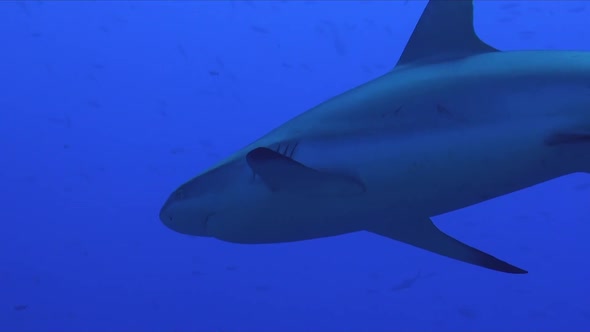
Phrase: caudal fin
[422,233]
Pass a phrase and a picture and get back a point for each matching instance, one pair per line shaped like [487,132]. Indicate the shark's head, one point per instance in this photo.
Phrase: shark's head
[191,207]
[180,214]
[261,196]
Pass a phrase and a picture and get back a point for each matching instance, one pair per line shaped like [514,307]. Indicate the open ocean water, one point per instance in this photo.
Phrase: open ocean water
[108,106]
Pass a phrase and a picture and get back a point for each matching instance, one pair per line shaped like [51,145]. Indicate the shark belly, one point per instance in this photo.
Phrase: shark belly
[288,218]
[451,171]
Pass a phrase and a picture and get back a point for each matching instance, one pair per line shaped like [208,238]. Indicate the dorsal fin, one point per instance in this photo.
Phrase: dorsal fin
[445,31]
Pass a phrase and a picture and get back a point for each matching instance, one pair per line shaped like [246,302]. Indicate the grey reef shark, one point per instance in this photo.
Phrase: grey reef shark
[456,122]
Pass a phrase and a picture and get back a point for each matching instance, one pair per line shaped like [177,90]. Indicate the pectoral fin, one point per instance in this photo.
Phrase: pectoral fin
[281,173]
[424,234]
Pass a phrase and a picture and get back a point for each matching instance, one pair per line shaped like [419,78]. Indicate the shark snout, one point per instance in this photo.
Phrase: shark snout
[185,217]
[165,216]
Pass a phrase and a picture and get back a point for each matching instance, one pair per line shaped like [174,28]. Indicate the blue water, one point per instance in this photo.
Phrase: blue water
[106,107]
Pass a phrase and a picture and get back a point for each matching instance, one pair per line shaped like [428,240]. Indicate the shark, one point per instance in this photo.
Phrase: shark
[456,122]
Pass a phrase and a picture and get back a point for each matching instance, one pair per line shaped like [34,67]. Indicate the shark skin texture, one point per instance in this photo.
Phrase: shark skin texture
[455,123]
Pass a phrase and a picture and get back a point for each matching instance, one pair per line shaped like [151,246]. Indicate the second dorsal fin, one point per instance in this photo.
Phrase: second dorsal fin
[445,31]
